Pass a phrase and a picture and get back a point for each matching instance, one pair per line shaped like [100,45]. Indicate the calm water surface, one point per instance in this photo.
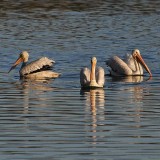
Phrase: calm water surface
[55,119]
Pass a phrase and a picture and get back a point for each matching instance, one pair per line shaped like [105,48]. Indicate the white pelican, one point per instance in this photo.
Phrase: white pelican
[131,65]
[94,78]
[38,69]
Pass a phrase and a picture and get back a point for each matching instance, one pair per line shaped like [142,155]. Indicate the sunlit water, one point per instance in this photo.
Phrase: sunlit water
[55,119]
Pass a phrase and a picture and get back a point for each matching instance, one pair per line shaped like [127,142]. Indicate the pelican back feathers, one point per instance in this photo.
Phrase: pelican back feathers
[118,66]
[85,76]
[100,76]
[38,65]
[42,75]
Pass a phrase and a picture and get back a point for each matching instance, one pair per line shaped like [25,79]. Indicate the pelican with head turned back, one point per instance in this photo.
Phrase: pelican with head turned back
[93,78]
[38,69]
[131,65]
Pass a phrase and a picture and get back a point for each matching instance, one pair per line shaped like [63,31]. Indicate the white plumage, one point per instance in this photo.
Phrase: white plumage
[37,69]
[92,78]
[130,65]
[36,65]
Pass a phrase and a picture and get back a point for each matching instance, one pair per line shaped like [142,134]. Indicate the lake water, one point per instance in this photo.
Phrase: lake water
[55,119]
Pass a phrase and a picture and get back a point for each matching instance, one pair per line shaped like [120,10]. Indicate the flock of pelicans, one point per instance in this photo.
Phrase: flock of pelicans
[131,65]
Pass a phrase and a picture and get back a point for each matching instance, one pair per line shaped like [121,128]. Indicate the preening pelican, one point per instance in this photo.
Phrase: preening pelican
[94,78]
[131,65]
[38,69]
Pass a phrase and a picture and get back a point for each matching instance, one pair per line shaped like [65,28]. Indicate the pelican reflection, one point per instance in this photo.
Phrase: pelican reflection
[95,102]
[94,99]
[134,98]
[129,79]
[34,91]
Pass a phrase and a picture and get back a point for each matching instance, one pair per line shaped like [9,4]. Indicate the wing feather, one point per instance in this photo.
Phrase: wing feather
[85,76]
[100,76]
[118,66]
[36,65]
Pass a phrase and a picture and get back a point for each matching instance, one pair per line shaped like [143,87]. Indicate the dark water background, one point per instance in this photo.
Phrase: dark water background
[55,119]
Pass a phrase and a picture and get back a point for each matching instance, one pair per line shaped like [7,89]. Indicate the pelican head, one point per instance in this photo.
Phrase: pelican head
[137,56]
[23,57]
[93,60]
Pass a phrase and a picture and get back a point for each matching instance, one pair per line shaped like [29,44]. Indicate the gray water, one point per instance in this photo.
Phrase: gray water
[55,119]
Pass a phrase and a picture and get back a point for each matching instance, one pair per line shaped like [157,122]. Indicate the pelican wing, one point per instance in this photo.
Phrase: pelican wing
[118,66]
[38,65]
[100,76]
[129,60]
[85,76]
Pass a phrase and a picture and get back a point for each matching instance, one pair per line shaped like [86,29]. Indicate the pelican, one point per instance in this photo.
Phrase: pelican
[131,65]
[94,78]
[38,69]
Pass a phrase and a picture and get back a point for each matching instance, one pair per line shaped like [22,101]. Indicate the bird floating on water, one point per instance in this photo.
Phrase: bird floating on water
[131,65]
[38,69]
[93,78]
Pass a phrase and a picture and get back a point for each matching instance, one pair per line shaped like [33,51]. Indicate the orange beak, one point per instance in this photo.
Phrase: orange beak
[144,64]
[18,61]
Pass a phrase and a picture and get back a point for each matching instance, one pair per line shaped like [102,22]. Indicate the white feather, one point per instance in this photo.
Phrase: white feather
[118,66]
[36,65]
[98,75]
[85,76]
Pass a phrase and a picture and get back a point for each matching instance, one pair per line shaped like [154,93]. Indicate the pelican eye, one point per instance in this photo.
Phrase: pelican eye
[20,55]
[134,55]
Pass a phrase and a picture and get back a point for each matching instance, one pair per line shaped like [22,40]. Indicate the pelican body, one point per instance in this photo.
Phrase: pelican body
[131,65]
[38,69]
[93,78]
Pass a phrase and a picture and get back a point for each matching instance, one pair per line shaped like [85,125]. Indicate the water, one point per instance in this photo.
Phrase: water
[55,119]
